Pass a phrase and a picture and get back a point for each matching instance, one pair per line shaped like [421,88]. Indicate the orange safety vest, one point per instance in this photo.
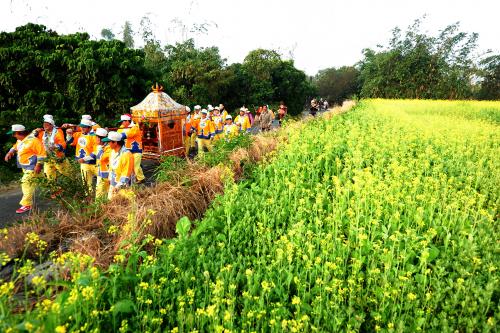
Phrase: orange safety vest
[55,139]
[204,128]
[121,167]
[85,146]
[133,138]
[218,124]
[103,154]
[30,151]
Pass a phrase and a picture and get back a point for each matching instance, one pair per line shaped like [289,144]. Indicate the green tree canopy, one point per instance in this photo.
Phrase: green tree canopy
[415,65]
[66,75]
[490,86]
[337,85]
[107,34]
[194,75]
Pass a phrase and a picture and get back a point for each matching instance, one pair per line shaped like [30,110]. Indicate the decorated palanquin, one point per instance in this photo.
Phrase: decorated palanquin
[161,120]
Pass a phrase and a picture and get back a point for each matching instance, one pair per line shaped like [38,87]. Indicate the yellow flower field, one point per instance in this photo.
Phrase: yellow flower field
[383,219]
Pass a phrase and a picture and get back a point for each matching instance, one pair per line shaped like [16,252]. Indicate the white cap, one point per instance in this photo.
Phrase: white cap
[18,128]
[87,116]
[197,107]
[217,108]
[114,136]
[125,117]
[101,132]
[204,111]
[188,109]
[243,109]
[86,122]
[210,107]
[49,119]
[229,117]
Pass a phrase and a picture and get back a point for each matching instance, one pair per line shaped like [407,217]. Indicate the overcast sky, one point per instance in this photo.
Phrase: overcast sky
[316,33]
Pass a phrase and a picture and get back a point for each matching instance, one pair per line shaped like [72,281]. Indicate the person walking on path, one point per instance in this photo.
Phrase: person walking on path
[218,123]
[266,119]
[282,112]
[132,135]
[314,108]
[54,144]
[121,164]
[242,121]
[231,130]
[250,116]
[205,131]
[30,157]
[186,131]
[85,143]
[103,154]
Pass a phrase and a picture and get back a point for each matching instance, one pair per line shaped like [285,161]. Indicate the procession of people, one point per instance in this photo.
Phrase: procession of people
[110,160]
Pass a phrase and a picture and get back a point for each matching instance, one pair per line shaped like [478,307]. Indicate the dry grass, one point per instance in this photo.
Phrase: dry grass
[88,233]
[190,193]
[346,106]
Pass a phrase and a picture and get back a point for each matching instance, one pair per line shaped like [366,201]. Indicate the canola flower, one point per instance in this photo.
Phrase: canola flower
[381,219]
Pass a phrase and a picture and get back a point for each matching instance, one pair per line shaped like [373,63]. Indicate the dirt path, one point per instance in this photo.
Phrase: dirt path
[9,202]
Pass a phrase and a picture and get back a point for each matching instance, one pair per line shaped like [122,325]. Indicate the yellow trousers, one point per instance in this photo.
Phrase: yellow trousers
[50,168]
[187,144]
[102,187]
[203,143]
[88,172]
[193,140]
[28,187]
[139,175]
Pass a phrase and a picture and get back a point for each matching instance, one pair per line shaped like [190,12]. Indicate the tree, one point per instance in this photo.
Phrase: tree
[154,55]
[194,75]
[128,35]
[259,66]
[66,76]
[337,85]
[490,85]
[291,86]
[264,78]
[107,34]
[420,66]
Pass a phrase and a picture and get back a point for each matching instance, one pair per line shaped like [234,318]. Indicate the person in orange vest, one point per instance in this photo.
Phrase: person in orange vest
[186,131]
[205,131]
[218,123]
[223,111]
[132,135]
[95,125]
[103,153]
[30,157]
[210,110]
[54,144]
[242,121]
[85,143]
[196,117]
[121,164]
[231,130]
